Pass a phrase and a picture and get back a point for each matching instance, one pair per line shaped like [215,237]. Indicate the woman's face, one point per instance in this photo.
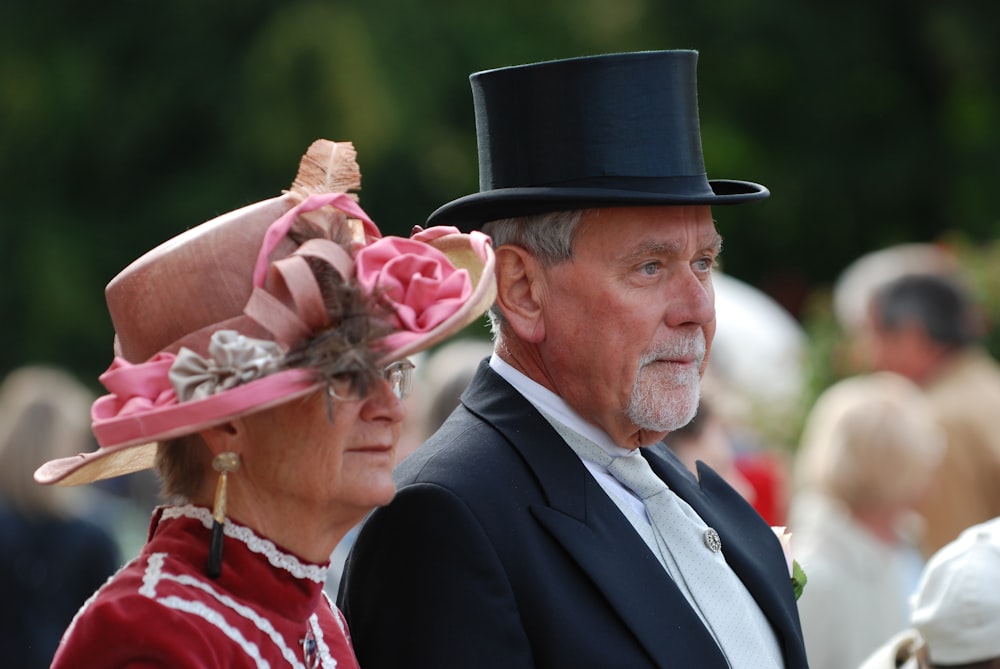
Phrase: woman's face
[324,455]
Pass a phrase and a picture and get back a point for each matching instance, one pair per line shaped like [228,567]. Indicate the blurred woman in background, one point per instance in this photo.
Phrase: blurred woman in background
[52,557]
[868,454]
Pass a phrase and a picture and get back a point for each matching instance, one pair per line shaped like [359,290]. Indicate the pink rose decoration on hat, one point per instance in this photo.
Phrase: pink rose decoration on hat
[418,281]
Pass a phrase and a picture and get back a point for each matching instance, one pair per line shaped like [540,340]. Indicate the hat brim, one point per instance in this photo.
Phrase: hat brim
[470,212]
[132,437]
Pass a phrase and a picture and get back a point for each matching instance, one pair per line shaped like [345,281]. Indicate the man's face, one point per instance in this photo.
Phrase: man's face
[905,349]
[629,321]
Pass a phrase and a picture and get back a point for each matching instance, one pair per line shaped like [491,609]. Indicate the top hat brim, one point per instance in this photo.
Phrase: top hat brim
[472,211]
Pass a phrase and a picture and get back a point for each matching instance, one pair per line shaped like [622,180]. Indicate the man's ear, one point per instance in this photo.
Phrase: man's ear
[520,291]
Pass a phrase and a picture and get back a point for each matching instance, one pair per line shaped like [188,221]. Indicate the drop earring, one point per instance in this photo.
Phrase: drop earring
[223,463]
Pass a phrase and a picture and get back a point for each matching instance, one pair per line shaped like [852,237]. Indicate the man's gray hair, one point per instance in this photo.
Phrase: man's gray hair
[549,237]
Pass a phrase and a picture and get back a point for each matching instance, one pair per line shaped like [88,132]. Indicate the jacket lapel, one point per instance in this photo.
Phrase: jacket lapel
[581,517]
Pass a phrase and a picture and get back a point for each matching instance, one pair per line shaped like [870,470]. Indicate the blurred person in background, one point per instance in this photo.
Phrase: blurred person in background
[706,439]
[446,375]
[860,280]
[442,374]
[927,328]
[754,382]
[52,557]
[868,454]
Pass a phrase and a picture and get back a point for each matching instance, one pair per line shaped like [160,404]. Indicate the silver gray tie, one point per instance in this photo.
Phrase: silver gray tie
[692,551]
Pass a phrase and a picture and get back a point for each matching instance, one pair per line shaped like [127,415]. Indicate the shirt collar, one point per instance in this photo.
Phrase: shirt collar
[550,404]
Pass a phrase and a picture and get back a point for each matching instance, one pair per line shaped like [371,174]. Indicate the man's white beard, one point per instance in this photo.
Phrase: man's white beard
[663,402]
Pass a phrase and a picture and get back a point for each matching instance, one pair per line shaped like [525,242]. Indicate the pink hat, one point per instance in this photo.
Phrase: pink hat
[266,304]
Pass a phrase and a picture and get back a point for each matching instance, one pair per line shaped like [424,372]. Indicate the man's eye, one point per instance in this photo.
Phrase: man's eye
[704,264]
[650,268]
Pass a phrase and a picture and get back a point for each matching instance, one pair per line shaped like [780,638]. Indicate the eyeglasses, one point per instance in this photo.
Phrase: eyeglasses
[399,376]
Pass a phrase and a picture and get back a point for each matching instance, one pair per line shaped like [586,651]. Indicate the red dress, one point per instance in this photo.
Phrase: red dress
[266,609]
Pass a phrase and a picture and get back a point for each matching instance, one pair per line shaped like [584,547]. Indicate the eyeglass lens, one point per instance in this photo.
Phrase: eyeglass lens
[400,377]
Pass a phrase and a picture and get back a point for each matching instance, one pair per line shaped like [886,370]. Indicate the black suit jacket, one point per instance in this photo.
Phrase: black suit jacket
[501,550]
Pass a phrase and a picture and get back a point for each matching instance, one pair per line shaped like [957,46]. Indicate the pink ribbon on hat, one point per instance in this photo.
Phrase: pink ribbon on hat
[292,308]
[134,389]
[279,229]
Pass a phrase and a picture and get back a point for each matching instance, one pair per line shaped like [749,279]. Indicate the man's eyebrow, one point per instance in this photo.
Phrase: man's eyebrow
[716,244]
[654,248]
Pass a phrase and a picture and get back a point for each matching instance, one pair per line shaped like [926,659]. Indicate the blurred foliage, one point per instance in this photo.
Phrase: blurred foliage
[123,123]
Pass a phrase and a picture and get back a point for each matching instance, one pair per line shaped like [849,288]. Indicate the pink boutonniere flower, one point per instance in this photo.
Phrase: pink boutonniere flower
[795,572]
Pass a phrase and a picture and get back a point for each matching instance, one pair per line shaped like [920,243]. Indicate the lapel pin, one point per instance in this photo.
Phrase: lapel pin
[712,540]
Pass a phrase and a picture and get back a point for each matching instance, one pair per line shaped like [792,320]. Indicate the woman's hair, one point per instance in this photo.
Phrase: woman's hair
[870,440]
[183,465]
[44,415]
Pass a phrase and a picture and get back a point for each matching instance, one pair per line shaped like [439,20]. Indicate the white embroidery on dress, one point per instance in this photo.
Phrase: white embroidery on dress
[151,577]
[199,609]
[261,623]
[255,543]
[154,574]
[324,650]
[338,616]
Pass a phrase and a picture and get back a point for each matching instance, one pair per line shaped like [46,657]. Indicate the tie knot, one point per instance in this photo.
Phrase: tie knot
[634,473]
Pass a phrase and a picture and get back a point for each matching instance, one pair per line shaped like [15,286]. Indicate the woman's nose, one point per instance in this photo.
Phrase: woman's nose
[383,402]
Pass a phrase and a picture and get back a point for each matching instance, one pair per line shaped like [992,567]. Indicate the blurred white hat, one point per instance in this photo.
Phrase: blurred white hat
[759,347]
[957,605]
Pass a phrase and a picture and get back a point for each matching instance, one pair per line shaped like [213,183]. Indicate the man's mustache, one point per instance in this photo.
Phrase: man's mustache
[684,348]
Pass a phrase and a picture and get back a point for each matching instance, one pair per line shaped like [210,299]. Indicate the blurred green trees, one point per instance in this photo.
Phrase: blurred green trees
[123,123]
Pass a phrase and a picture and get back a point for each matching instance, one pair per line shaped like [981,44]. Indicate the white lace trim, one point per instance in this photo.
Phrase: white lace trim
[213,617]
[154,575]
[254,542]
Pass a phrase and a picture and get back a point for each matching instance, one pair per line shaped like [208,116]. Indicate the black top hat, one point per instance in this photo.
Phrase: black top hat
[610,130]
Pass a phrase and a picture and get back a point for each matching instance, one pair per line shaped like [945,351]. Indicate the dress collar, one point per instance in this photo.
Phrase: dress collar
[254,568]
